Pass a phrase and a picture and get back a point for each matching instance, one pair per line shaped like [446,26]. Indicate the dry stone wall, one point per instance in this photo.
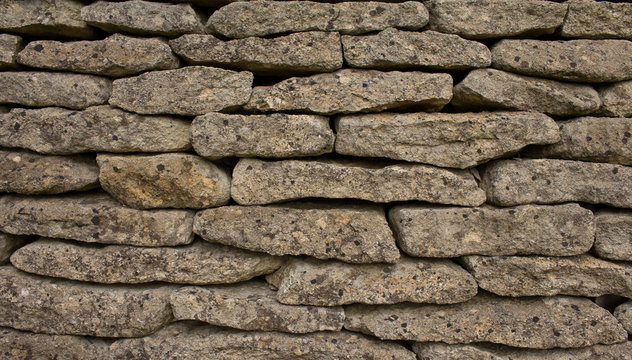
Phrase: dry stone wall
[219,179]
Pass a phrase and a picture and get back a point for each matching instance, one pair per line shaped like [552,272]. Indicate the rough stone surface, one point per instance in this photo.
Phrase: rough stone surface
[613,237]
[252,306]
[25,172]
[259,18]
[18,345]
[324,231]
[557,230]
[94,218]
[52,306]
[294,54]
[623,313]
[478,19]
[598,20]
[312,282]
[545,181]
[260,182]
[442,139]
[44,18]
[117,55]
[193,90]
[98,128]
[10,45]
[352,90]
[164,181]
[495,89]
[395,49]
[217,135]
[616,99]
[75,91]
[541,323]
[8,244]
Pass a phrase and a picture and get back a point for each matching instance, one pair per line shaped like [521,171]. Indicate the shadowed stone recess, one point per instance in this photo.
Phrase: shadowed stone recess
[616,99]
[623,313]
[8,244]
[45,18]
[598,20]
[613,238]
[10,45]
[27,345]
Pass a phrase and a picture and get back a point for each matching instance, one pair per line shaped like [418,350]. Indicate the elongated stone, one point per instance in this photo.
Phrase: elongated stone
[44,18]
[294,54]
[540,323]
[613,237]
[193,90]
[598,20]
[252,306]
[164,181]
[623,313]
[10,45]
[495,89]
[94,218]
[8,244]
[616,99]
[395,49]
[352,90]
[545,181]
[217,135]
[442,139]
[558,230]
[25,172]
[19,345]
[245,18]
[262,182]
[351,234]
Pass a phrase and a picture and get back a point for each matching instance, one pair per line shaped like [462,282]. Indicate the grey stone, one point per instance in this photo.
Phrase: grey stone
[495,89]
[613,237]
[352,90]
[193,90]
[540,323]
[258,182]
[351,234]
[10,45]
[217,135]
[174,180]
[553,230]
[8,244]
[623,313]
[616,99]
[19,345]
[442,139]
[598,20]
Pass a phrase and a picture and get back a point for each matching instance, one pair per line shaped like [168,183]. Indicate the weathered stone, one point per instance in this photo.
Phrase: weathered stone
[217,135]
[616,99]
[479,19]
[261,182]
[581,275]
[164,181]
[191,341]
[544,181]
[8,244]
[25,172]
[75,91]
[200,263]
[143,17]
[53,306]
[541,323]
[10,45]
[352,90]
[623,313]
[613,237]
[395,49]
[117,55]
[558,230]
[294,54]
[495,89]
[252,306]
[330,283]
[598,20]
[351,234]
[94,218]
[19,345]
[44,18]
[193,90]
[442,139]
[571,60]
[259,18]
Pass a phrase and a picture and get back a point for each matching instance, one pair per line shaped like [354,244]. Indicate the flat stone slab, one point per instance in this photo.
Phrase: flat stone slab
[217,135]
[8,244]
[293,54]
[495,89]
[96,129]
[192,90]
[27,345]
[598,20]
[353,90]
[394,49]
[94,218]
[252,306]
[615,99]
[448,232]
[540,323]
[44,18]
[548,181]
[29,173]
[53,306]
[351,234]
[613,237]
[330,283]
[243,19]
[10,45]
[174,180]
[257,182]
[443,139]
[623,313]
[117,55]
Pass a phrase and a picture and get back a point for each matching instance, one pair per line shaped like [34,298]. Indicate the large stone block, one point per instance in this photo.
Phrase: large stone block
[598,20]
[613,237]
[10,45]
[19,345]
[616,99]
[47,18]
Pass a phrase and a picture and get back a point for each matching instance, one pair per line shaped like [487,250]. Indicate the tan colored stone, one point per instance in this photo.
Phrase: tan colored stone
[44,18]
[616,99]
[8,244]
[598,20]
[623,313]
[19,345]
[613,238]
[10,45]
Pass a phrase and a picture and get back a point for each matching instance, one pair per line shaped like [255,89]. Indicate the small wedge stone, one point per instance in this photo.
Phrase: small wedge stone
[20,345]
[598,20]
[8,244]
[623,313]
[613,238]
[48,18]
[616,99]
[10,45]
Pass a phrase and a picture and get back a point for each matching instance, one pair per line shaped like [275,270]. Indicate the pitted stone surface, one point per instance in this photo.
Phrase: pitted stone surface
[623,313]
[8,244]
[613,237]
[44,18]
[19,345]
[616,99]
[598,20]
[10,45]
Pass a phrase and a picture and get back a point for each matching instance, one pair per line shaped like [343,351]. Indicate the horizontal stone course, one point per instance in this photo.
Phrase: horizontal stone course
[25,344]
[10,45]
[44,18]
[613,237]
[598,20]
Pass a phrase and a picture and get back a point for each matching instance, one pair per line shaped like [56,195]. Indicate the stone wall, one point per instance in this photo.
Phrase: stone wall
[210,179]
